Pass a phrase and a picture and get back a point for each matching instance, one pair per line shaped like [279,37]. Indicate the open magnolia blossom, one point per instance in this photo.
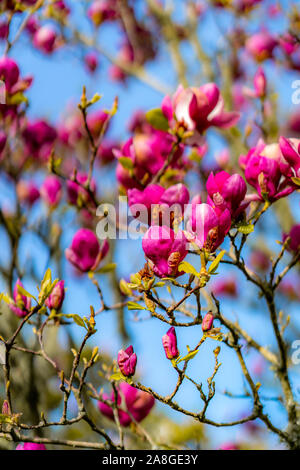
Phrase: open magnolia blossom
[207,227]
[268,171]
[197,109]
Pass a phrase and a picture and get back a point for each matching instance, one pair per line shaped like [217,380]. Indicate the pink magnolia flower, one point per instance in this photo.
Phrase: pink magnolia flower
[136,402]
[148,153]
[226,287]
[91,61]
[290,149]
[290,289]
[22,304]
[39,137]
[77,193]
[51,190]
[27,192]
[32,25]
[102,10]
[56,298]
[165,249]
[261,45]
[197,109]
[95,121]
[4,29]
[268,172]
[207,322]
[105,153]
[288,43]
[226,191]
[260,85]
[85,252]
[294,122]
[152,204]
[260,260]
[30,446]
[169,341]
[294,235]
[45,39]
[116,74]
[127,361]
[207,226]
[9,72]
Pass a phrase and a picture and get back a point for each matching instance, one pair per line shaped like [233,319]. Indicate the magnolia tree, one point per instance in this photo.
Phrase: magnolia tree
[202,196]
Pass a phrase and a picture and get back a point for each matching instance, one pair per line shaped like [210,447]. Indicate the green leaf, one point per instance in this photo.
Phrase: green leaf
[245,229]
[187,268]
[135,279]
[107,268]
[22,291]
[8,300]
[214,265]
[157,119]
[135,306]
[296,180]
[77,319]
[95,98]
[159,284]
[124,288]
[47,277]
[189,356]
[17,99]
[117,376]
[126,163]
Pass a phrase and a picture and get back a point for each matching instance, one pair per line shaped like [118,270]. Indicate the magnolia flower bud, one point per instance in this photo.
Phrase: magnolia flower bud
[127,361]
[45,39]
[207,322]
[294,235]
[261,45]
[22,304]
[169,341]
[56,298]
[27,192]
[91,61]
[260,83]
[9,72]
[85,252]
[51,191]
